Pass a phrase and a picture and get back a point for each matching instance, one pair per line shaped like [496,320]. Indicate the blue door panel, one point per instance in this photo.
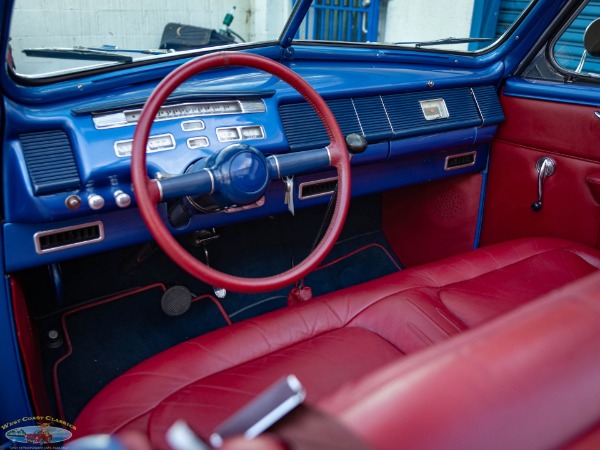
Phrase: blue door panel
[552,91]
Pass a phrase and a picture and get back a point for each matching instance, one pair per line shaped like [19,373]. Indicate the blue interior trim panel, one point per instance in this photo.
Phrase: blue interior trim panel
[392,116]
[582,94]
[488,104]
[50,162]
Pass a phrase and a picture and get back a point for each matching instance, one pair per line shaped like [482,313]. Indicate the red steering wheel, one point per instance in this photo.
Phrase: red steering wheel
[149,192]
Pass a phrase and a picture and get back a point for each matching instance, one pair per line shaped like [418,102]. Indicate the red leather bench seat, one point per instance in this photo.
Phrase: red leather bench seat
[332,339]
[528,380]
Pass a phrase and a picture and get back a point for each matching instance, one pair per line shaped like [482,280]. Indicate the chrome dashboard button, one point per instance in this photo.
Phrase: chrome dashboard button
[95,202]
[122,199]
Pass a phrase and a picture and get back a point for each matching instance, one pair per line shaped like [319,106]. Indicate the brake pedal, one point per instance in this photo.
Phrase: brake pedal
[176,301]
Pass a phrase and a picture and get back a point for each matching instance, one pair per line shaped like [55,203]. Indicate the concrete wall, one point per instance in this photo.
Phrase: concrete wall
[437,19]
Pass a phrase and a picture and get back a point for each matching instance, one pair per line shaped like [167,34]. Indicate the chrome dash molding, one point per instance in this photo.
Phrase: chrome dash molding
[307,184]
[448,166]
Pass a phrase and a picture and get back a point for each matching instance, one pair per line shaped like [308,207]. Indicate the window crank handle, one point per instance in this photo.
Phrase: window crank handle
[545,167]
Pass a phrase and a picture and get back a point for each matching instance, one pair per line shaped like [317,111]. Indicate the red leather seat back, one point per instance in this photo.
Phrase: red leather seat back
[528,380]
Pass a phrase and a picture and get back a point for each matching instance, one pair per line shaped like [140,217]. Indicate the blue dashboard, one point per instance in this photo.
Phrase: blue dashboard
[67,161]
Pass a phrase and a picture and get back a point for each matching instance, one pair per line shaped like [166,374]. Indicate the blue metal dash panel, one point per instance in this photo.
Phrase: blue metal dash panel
[345,114]
[50,162]
[489,104]
[303,128]
[373,118]
[407,118]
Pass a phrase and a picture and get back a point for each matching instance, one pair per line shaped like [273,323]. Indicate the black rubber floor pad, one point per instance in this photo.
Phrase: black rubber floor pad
[111,337]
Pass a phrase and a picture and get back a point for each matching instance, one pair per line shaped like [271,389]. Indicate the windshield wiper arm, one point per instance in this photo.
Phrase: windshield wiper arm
[105,53]
[449,40]
[78,53]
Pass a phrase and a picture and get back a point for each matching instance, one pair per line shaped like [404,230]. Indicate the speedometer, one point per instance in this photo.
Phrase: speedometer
[186,110]
[181,111]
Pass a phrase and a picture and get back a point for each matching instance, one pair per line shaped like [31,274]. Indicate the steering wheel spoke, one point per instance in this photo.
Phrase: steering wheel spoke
[297,163]
[197,183]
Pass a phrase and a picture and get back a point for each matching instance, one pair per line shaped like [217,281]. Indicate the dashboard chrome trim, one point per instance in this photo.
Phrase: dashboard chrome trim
[129,145]
[308,184]
[239,133]
[185,110]
[40,234]
[197,142]
[192,125]
[470,160]
[276,165]
[212,180]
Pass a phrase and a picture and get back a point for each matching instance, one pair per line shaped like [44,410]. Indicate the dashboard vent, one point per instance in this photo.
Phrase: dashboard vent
[373,118]
[489,104]
[50,162]
[304,129]
[317,188]
[365,116]
[460,161]
[407,119]
[63,238]
[391,116]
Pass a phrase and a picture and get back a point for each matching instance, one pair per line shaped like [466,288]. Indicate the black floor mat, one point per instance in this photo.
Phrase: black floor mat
[351,261]
[110,337]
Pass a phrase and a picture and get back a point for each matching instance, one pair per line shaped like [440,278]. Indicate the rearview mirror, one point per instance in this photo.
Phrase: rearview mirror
[591,38]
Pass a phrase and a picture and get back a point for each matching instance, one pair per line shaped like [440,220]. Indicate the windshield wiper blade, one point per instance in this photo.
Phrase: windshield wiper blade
[115,49]
[78,53]
[448,40]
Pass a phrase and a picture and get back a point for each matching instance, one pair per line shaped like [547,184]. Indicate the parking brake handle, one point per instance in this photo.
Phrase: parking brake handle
[545,167]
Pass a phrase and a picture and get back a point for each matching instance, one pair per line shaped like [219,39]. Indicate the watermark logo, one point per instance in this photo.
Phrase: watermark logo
[45,432]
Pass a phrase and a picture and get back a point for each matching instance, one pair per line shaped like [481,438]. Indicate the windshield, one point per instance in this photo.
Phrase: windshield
[50,38]
[463,25]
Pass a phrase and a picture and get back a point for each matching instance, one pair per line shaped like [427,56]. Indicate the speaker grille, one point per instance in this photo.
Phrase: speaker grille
[50,162]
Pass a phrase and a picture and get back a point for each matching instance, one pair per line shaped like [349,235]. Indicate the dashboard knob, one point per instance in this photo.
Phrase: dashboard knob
[122,199]
[356,143]
[73,202]
[96,202]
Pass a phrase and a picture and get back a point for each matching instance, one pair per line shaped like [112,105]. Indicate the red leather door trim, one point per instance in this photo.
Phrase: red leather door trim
[570,134]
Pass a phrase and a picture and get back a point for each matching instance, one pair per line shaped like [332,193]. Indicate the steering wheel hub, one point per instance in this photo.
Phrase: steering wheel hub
[248,171]
[240,172]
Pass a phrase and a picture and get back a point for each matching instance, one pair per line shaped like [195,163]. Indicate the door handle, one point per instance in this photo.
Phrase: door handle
[545,167]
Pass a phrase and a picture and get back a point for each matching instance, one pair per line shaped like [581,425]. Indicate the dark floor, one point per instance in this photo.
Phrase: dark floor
[112,314]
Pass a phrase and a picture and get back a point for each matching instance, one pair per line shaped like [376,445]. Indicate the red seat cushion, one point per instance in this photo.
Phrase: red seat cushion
[332,339]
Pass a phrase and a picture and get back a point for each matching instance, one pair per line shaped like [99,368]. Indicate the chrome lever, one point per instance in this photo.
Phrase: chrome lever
[545,167]
[219,292]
